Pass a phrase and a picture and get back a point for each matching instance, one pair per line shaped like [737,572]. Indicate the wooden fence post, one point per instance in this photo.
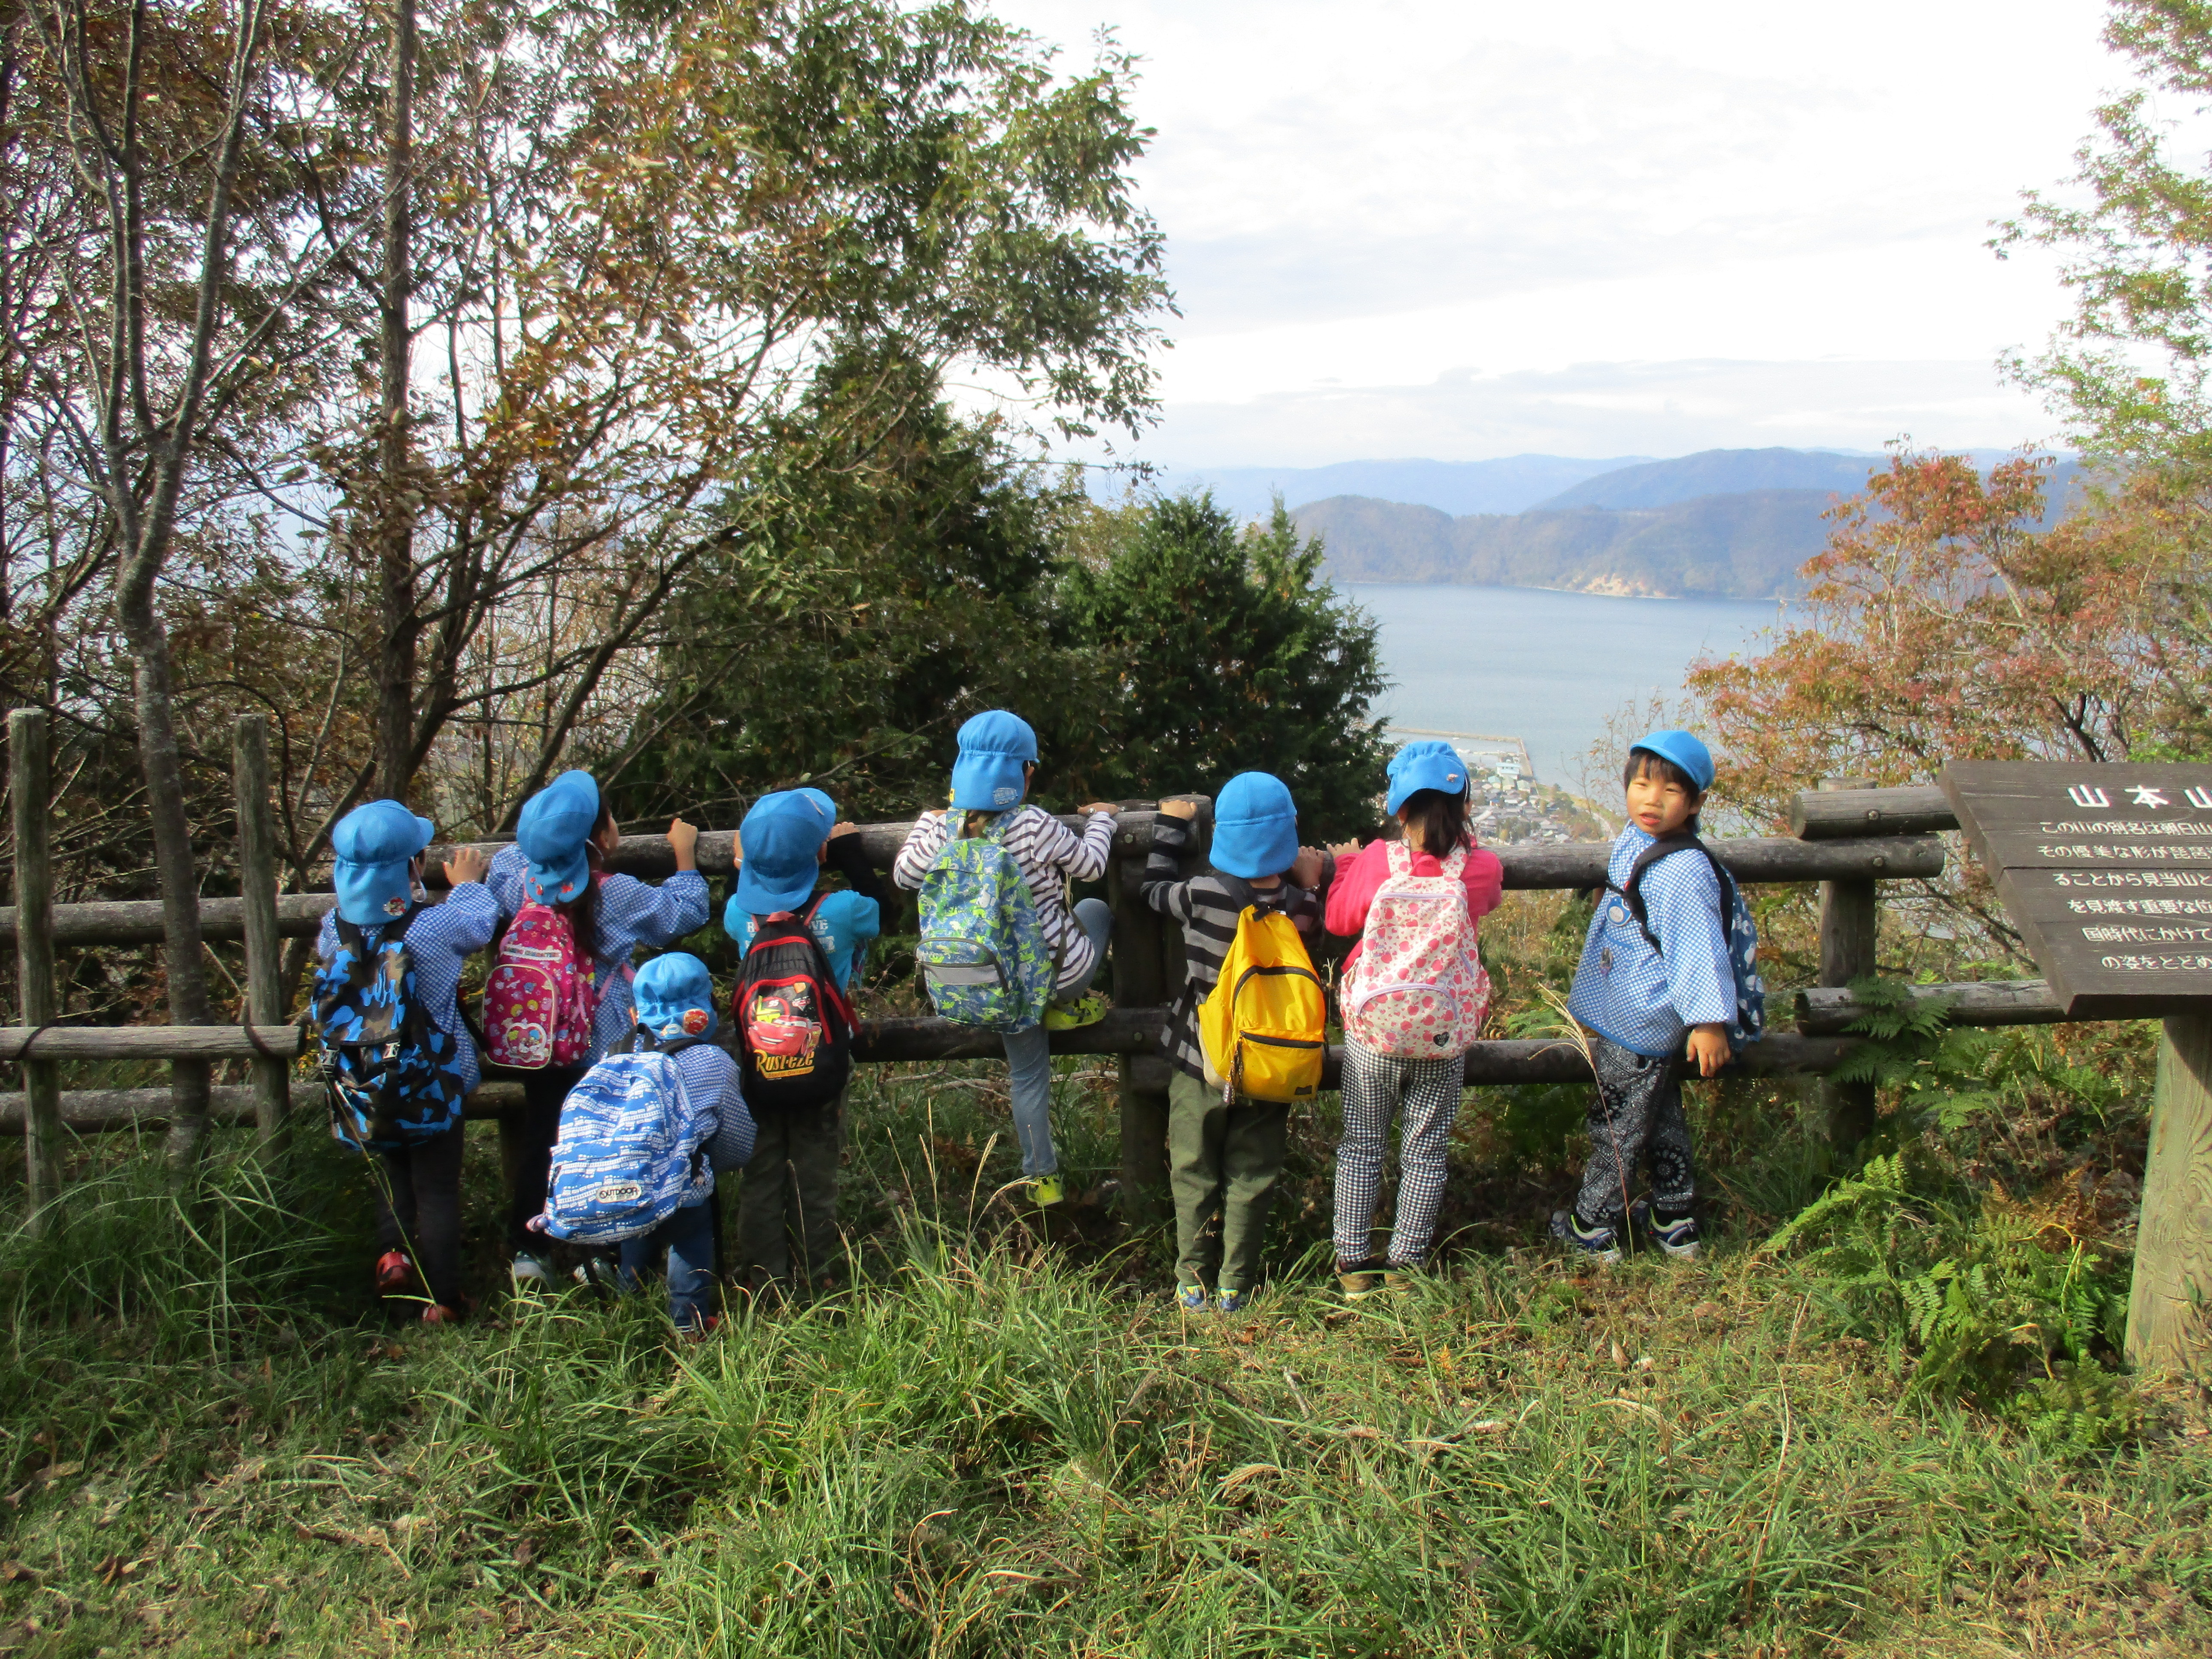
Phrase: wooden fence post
[1848,916]
[2167,1314]
[1138,953]
[28,784]
[257,879]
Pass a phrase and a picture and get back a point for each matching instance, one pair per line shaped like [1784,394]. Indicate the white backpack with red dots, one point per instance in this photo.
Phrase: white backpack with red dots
[1417,990]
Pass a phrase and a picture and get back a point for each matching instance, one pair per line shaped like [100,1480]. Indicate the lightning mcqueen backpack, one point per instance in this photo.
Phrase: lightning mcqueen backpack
[1418,990]
[794,1027]
[632,1149]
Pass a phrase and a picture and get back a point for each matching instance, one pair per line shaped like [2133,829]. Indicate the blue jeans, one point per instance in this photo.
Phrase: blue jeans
[1029,1054]
[687,1236]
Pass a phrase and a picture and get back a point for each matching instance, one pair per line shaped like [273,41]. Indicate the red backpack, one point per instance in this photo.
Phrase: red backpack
[539,999]
[794,1027]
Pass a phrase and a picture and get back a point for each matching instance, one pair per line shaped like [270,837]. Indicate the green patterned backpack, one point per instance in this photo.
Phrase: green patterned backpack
[982,950]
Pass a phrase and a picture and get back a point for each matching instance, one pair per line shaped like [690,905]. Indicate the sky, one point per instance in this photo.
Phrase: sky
[1461,229]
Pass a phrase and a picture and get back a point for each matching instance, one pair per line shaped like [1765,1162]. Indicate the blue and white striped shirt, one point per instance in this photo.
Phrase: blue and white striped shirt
[631,914]
[1645,1000]
[442,937]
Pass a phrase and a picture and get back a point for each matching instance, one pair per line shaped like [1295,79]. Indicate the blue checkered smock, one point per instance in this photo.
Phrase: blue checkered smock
[1646,999]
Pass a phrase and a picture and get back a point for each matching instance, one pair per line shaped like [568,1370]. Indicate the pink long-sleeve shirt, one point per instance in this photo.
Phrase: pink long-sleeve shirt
[1360,878]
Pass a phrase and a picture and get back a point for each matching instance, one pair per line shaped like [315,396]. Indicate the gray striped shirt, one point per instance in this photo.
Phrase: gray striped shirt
[1049,854]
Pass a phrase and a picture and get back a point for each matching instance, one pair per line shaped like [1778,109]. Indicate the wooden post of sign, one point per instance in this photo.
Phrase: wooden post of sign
[257,878]
[2169,1322]
[27,785]
[1139,949]
[1848,914]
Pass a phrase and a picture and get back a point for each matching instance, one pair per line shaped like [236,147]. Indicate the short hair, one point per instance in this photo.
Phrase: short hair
[1643,762]
[1441,818]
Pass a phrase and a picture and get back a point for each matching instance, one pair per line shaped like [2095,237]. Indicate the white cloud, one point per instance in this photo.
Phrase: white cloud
[1377,196]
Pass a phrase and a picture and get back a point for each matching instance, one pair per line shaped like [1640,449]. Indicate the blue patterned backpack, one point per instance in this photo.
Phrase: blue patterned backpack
[982,950]
[1736,927]
[632,1148]
[391,1076]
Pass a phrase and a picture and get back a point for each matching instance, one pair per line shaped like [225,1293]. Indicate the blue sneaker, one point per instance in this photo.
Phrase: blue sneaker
[1678,1238]
[1601,1244]
[1232,1302]
[1191,1299]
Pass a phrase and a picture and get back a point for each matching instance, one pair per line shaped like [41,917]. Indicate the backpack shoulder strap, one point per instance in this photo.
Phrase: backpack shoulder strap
[1632,890]
[1399,859]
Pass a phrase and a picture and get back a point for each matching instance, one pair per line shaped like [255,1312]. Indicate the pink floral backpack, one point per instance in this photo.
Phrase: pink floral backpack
[538,1001]
[1418,990]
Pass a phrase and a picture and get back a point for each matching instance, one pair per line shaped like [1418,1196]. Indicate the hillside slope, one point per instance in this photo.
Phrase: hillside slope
[1508,484]
[1718,472]
[1743,545]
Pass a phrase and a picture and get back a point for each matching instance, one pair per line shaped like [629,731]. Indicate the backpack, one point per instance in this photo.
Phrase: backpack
[632,1149]
[1418,990]
[1263,1027]
[794,1028]
[982,952]
[392,1076]
[1736,927]
[538,1000]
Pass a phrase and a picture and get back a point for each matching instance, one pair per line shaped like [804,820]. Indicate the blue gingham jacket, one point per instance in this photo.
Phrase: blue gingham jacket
[1645,1000]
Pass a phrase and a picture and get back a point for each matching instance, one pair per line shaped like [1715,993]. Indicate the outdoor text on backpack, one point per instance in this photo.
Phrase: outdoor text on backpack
[538,1002]
[1418,990]
[392,1076]
[982,952]
[1736,927]
[1263,1027]
[794,1027]
[632,1147]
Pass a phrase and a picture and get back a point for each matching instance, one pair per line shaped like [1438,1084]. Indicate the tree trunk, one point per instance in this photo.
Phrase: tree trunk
[394,504]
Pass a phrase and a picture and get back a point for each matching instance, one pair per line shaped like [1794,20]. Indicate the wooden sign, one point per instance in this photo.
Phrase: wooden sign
[2107,872]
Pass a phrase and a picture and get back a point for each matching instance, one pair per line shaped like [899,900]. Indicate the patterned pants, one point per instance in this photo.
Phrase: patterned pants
[1375,1088]
[1635,1117]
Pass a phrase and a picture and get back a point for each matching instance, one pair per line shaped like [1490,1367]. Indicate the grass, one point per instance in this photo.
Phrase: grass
[1004,1438]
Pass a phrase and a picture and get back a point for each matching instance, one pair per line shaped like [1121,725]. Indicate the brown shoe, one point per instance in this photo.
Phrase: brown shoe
[1359,1280]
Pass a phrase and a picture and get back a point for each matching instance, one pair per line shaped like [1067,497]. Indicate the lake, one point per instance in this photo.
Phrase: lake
[1548,668]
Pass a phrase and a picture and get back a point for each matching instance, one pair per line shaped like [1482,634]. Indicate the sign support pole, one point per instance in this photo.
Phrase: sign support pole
[1848,913]
[2166,1314]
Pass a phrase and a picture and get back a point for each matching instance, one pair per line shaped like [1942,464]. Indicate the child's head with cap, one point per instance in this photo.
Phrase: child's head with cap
[375,847]
[1255,827]
[674,997]
[1665,779]
[1428,795]
[555,831]
[781,840]
[992,772]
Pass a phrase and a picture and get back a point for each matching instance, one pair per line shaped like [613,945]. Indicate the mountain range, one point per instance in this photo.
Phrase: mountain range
[1721,524]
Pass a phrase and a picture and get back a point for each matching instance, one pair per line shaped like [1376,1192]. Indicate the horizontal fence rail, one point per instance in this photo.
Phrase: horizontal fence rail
[1830,1008]
[1842,814]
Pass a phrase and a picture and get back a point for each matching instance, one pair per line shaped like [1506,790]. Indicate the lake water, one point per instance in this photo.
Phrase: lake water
[1548,668]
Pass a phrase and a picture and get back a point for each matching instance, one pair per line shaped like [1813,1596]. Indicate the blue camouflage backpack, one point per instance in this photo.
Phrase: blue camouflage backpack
[982,950]
[632,1148]
[1736,927]
[392,1076]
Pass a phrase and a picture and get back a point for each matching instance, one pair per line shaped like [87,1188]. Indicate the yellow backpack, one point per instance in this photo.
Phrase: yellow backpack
[1264,1025]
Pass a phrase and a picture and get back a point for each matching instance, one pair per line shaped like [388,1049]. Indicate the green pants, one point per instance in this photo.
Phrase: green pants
[1221,1160]
[790,1192]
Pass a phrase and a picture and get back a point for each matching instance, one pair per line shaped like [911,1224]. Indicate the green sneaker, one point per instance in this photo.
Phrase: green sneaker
[1045,1191]
[1087,1009]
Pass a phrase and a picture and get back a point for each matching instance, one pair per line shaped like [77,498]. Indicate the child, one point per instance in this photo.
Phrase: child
[1428,797]
[1638,1005]
[1225,1157]
[990,778]
[791,1183]
[675,1002]
[564,831]
[377,873]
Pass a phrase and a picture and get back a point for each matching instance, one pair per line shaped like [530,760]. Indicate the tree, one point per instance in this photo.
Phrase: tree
[1234,655]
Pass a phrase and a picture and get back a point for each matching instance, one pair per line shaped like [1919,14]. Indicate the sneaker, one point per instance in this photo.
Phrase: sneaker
[1401,1279]
[1045,1191]
[596,1272]
[395,1272]
[1602,1244]
[531,1273]
[1231,1301]
[1191,1299]
[1086,1010]
[1360,1280]
[1678,1238]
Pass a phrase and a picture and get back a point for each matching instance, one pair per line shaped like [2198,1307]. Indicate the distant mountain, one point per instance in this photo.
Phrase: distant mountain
[1506,485]
[1718,472]
[1743,545]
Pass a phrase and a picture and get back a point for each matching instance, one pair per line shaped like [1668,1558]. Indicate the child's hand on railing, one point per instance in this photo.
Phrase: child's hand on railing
[837,829]
[1179,809]
[467,863]
[1098,807]
[682,839]
[1343,850]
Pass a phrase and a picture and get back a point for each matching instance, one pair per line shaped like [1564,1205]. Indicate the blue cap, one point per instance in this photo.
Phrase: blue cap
[780,839]
[994,748]
[373,844]
[1684,750]
[1427,764]
[829,807]
[1255,827]
[556,825]
[674,995]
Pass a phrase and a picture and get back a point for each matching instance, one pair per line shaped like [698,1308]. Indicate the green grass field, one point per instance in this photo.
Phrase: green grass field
[999,1441]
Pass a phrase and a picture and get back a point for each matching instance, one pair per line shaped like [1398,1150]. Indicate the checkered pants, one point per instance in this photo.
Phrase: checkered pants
[1375,1088]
